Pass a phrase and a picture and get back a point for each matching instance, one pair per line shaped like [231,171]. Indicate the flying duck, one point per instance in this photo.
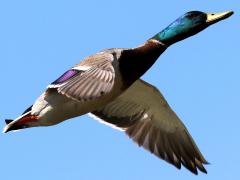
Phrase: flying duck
[107,85]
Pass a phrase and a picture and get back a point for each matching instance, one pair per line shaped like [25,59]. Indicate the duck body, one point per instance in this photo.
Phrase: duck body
[111,74]
[53,107]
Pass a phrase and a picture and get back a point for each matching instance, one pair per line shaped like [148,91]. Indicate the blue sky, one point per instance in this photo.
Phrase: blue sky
[199,77]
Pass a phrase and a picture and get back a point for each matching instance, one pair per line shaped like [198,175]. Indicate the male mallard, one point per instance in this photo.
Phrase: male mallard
[94,85]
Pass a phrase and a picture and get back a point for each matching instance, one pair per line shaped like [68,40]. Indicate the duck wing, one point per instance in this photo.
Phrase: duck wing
[88,80]
[145,116]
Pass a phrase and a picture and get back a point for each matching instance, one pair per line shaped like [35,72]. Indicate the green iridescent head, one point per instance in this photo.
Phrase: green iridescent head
[189,24]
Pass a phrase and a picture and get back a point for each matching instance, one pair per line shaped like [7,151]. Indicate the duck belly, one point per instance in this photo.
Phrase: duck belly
[54,108]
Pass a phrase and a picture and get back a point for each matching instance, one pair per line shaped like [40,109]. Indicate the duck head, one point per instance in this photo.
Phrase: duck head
[189,24]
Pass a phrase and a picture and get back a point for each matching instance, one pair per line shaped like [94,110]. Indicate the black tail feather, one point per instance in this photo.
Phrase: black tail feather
[7,121]
[28,109]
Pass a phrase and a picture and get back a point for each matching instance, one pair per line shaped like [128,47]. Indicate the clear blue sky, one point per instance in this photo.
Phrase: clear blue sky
[199,77]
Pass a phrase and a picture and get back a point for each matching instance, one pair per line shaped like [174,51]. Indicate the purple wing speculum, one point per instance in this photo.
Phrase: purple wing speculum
[66,76]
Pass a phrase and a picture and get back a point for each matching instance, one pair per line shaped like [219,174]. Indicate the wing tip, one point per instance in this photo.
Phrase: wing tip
[196,167]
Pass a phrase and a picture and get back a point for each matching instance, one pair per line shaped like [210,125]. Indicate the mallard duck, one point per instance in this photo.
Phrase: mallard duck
[107,85]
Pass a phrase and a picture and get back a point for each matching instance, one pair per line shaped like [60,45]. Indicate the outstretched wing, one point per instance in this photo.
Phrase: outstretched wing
[143,113]
[88,80]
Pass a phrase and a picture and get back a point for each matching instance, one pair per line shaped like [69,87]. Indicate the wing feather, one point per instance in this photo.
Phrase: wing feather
[90,79]
[147,118]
